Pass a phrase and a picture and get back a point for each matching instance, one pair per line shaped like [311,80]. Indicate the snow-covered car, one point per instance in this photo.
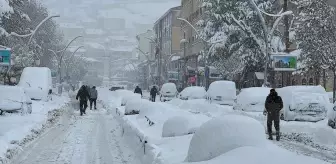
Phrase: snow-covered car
[304,103]
[222,92]
[332,117]
[168,92]
[251,99]
[191,93]
[36,82]
[115,88]
[129,97]
[14,99]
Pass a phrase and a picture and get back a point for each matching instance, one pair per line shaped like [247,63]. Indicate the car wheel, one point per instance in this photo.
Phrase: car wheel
[1,112]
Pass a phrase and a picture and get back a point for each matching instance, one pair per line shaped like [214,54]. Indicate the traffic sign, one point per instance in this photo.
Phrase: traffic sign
[5,57]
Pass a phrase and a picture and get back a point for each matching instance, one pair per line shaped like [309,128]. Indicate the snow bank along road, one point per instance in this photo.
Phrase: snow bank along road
[94,138]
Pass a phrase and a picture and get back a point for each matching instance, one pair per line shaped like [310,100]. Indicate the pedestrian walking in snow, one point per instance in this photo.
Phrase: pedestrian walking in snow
[153,93]
[83,96]
[138,90]
[93,97]
[273,105]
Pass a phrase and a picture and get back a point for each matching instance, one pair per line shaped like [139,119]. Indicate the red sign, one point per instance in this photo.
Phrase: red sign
[192,79]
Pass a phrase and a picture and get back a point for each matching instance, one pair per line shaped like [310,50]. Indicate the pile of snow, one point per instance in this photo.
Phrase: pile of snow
[223,134]
[37,82]
[252,99]
[193,93]
[22,129]
[261,155]
[134,106]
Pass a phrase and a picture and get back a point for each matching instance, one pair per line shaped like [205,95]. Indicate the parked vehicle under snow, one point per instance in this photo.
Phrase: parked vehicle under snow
[304,103]
[14,99]
[222,92]
[168,92]
[252,99]
[191,93]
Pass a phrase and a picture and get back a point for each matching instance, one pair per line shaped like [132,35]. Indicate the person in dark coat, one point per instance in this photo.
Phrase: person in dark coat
[153,93]
[83,96]
[138,90]
[93,97]
[273,105]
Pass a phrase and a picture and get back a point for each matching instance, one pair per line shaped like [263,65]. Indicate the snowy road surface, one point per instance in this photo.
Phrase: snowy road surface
[91,139]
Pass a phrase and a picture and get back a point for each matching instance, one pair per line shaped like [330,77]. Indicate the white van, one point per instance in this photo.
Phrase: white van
[168,92]
[37,82]
[222,92]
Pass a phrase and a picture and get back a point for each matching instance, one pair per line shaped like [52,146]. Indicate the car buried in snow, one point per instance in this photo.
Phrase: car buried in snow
[191,93]
[251,99]
[168,92]
[222,93]
[14,99]
[304,103]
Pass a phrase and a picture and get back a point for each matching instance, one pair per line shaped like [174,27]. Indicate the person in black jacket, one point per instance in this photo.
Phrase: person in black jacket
[153,93]
[138,90]
[273,105]
[83,96]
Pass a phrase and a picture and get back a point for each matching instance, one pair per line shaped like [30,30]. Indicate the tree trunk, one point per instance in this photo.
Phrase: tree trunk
[334,84]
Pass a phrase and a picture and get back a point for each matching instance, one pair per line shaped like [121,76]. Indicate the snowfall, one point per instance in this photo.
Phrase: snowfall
[129,129]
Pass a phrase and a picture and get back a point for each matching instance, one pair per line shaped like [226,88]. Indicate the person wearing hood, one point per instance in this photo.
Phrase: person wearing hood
[153,93]
[273,105]
[138,90]
[83,95]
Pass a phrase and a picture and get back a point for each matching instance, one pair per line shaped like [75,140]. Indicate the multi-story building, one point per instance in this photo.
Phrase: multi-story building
[167,32]
[144,45]
[192,11]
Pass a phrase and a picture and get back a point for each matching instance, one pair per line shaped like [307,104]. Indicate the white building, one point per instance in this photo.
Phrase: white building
[144,44]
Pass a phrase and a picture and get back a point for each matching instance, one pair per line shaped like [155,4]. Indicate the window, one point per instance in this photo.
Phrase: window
[304,82]
[311,81]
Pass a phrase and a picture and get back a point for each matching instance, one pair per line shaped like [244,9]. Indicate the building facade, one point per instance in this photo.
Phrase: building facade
[191,11]
[167,34]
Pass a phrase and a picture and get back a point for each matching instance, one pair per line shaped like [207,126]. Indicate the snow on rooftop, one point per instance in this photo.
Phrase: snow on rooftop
[70,25]
[95,45]
[89,59]
[72,49]
[128,49]
[94,31]
[174,58]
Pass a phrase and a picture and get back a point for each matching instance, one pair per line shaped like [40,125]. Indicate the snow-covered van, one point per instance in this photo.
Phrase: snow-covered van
[37,82]
[222,92]
[168,92]
[304,103]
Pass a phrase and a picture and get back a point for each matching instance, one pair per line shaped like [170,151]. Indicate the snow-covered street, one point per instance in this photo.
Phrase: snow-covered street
[93,138]
[169,138]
